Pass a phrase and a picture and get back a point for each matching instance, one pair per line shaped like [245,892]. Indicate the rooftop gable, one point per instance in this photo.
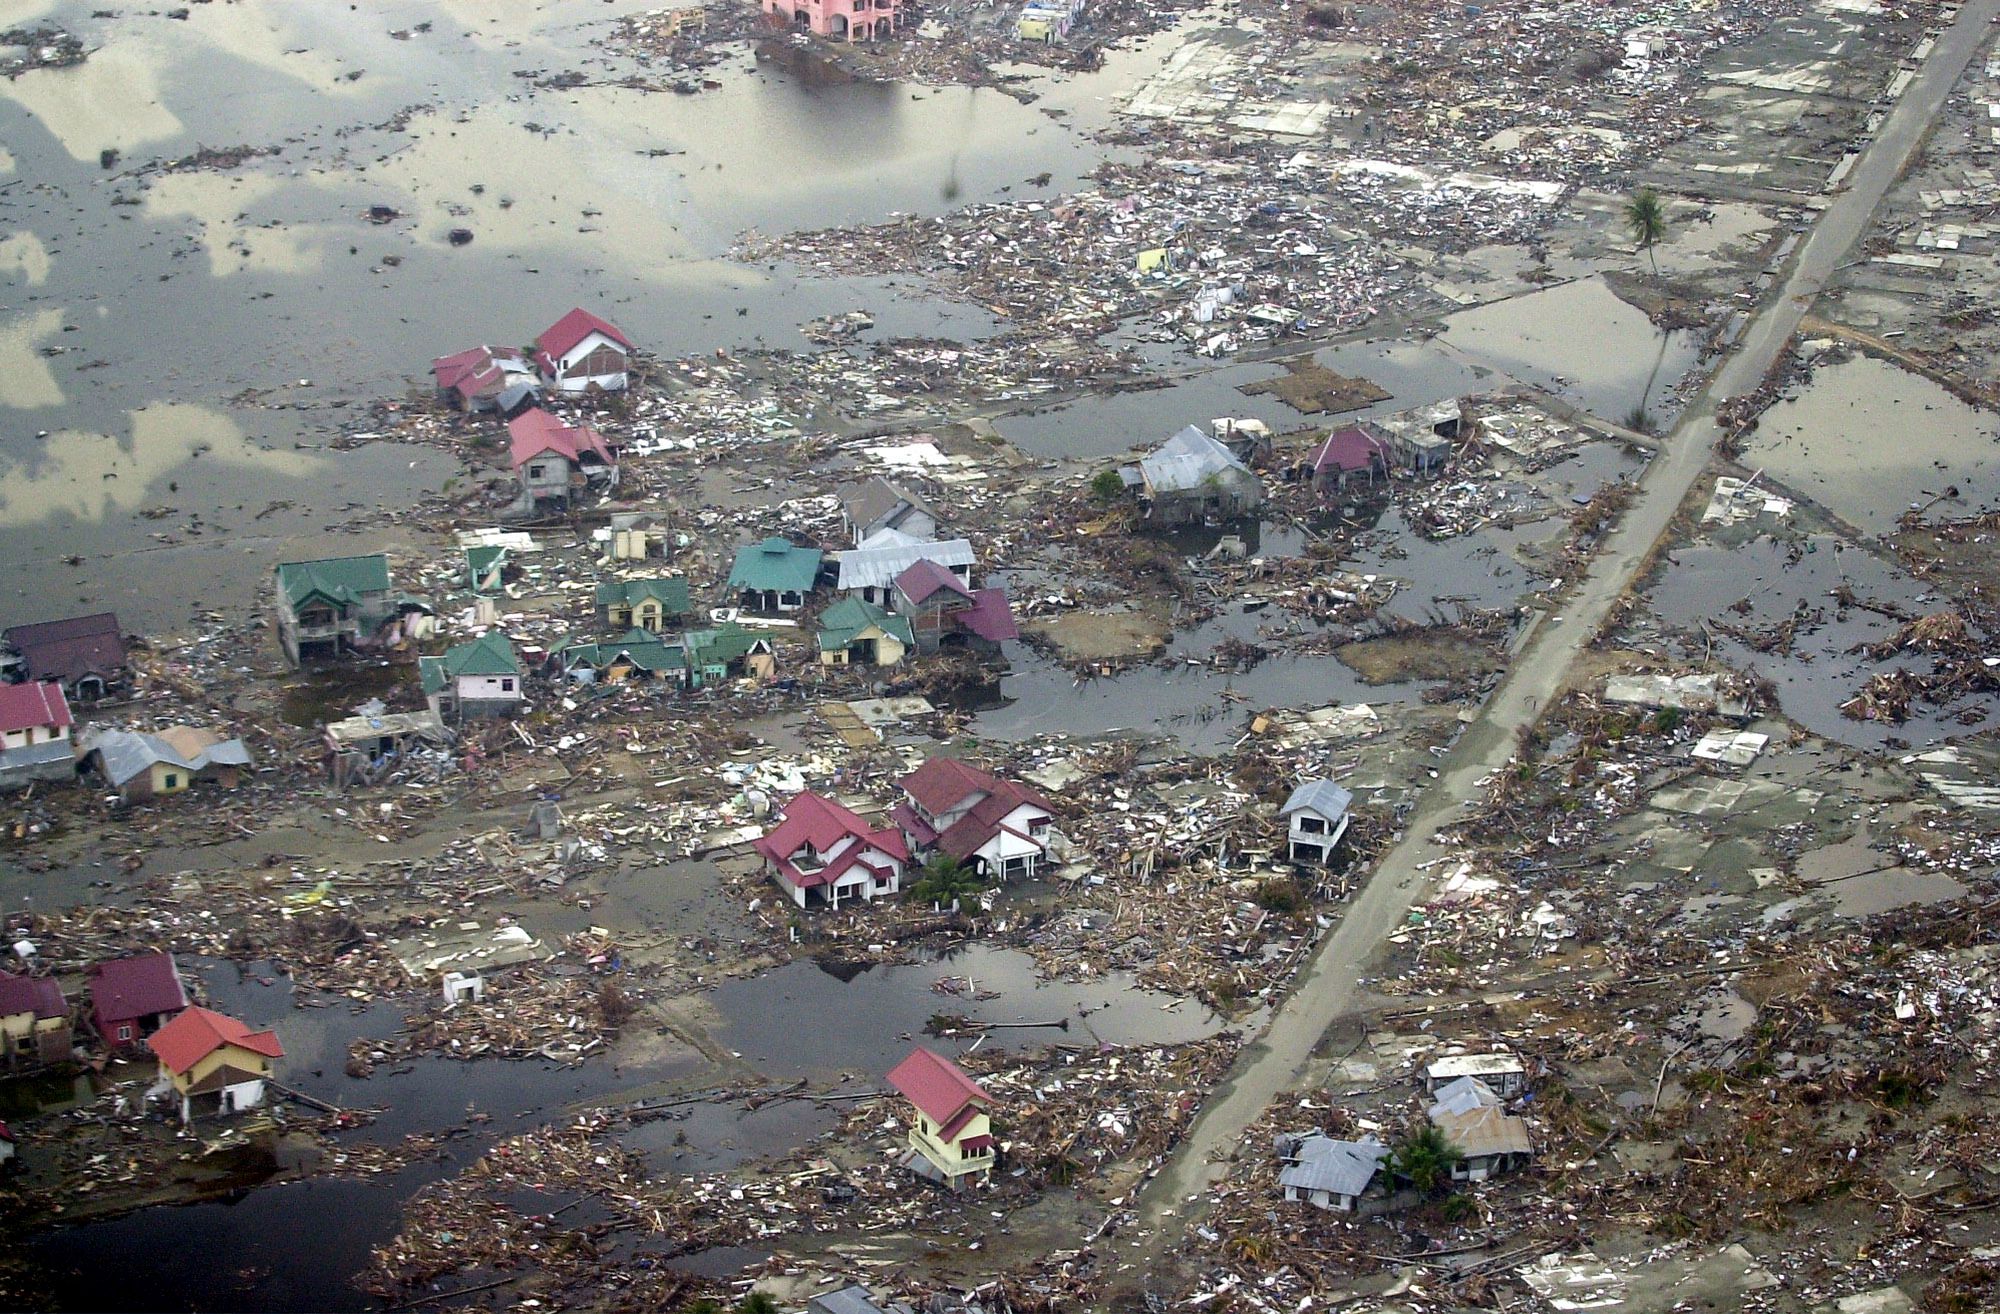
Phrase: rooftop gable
[341,580]
[139,986]
[559,338]
[937,1086]
[775,564]
[199,1032]
[33,704]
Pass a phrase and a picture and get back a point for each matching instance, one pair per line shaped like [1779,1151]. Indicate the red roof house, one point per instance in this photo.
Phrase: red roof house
[822,855]
[944,612]
[996,826]
[475,378]
[581,351]
[204,1053]
[1348,452]
[554,460]
[952,1139]
[131,998]
[35,1018]
[36,705]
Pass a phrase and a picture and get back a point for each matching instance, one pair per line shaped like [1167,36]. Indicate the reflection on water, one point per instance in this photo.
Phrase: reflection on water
[91,475]
[26,382]
[109,102]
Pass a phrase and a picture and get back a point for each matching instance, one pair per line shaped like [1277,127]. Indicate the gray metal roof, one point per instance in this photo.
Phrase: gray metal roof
[848,1300]
[868,502]
[1321,796]
[1484,1131]
[1342,1167]
[1463,1096]
[1187,461]
[125,754]
[877,567]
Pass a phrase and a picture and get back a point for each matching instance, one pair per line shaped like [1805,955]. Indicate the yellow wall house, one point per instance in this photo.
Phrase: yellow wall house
[951,1139]
[214,1061]
[34,1020]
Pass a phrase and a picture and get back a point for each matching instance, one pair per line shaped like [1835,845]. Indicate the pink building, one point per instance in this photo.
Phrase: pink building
[844,20]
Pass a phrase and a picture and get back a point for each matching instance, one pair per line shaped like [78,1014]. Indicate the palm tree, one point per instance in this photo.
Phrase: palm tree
[945,881]
[1425,1156]
[1646,215]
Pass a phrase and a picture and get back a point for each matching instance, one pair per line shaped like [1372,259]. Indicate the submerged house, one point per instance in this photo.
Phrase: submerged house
[822,855]
[480,678]
[774,575]
[1350,455]
[951,1132]
[34,1020]
[857,633]
[362,749]
[1315,818]
[330,607]
[945,612]
[131,998]
[558,463]
[86,655]
[205,1055]
[994,826]
[581,353]
[483,378]
[35,723]
[1193,477]
[648,604]
[1330,1174]
[142,765]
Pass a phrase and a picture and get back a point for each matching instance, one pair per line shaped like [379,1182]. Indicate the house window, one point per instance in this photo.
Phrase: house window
[173,781]
[1312,826]
[537,470]
[506,685]
[125,1031]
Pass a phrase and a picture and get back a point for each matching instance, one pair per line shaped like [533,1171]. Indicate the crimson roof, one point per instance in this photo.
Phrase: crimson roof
[475,370]
[199,1032]
[935,1085]
[65,649]
[127,988]
[35,703]
[559,337]
[990,616]
[536,431]
[822,823]
[1350,449]
[40,995]
[925,577]
[942,783]
[965,836]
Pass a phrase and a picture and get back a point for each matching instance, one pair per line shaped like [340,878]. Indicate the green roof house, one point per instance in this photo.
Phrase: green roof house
[481,678]
[484,565]
[328,607]
[639,655]
[728,650]
[650,604]
[858,633]
[774,576]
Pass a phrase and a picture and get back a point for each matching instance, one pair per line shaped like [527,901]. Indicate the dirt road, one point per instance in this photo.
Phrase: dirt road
[1328,990]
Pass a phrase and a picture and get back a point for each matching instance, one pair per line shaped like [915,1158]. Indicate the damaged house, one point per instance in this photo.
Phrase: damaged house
[34,1020]
[582,353]
[141,766]
[822,855]
[361,750]
[1349,456]
[131,998]
[870,572]
[476,679]
[774,576]
[1315,818]
[485,379]
[333,606]
[1489,1140]
[35,725]
[1327,1173]
[205,1055]
[945,612]
[951,1134]
[86,655]
[870,509]
[558,464]
[857,633]
[1192,478]
[994,826]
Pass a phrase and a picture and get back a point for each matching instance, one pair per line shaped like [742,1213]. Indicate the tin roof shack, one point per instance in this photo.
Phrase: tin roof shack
[944,612]
[35,723]
[474,380]
[951,1138]
[34,1020]
[1504,1074]
[85,654]
[477,679]
[995,826]
[774,576]
[870,572]
[131,998]
[857,633]
[208,1056]
[366,750]
[582,353]
[1327,1173]
[330,607]
[1489,1140]
[822,855]
[1315,819]
[649,604]
[142,766]
[1349,455]
[1192,478]
[868,509]
[558,464]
